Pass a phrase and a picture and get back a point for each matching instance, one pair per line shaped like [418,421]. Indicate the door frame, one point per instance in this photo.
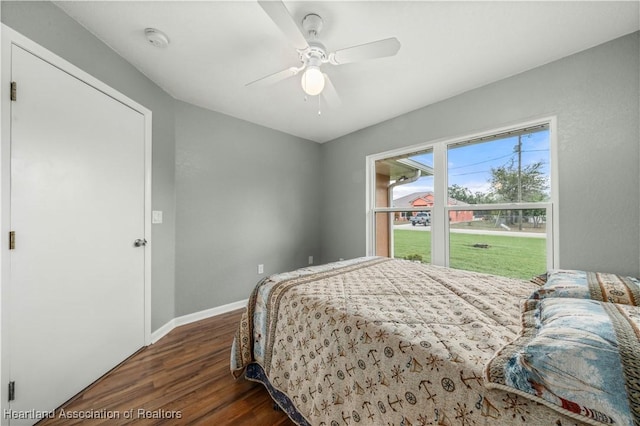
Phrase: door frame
[8,38]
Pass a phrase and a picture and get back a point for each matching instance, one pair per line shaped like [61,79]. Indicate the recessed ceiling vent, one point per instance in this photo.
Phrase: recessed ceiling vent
[156,37]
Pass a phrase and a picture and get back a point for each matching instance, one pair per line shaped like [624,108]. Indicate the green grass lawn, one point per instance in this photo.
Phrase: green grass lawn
[517,257]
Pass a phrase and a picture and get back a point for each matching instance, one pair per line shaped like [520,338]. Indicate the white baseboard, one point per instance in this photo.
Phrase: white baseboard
[196,316]
[163,331]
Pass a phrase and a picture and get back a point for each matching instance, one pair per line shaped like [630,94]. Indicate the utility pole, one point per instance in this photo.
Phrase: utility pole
[519,148]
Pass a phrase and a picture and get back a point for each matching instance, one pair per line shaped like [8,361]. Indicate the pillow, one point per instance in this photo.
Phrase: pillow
[590,285]
[539,280]
[579,357]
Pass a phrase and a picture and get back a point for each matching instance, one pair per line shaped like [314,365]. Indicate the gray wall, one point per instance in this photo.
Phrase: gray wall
[50,27]
[233,194]
[246,195]
[236,194]
[595,95]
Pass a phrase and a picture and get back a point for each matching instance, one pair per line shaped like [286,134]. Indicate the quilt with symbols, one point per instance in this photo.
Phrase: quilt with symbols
[383,341]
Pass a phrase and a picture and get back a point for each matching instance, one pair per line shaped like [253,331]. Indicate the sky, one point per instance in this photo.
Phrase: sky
[470,165]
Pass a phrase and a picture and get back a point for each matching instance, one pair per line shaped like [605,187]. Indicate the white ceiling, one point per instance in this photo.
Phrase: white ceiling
[447,48]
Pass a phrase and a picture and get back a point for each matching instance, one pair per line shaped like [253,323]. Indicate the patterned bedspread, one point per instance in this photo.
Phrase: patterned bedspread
[387,342]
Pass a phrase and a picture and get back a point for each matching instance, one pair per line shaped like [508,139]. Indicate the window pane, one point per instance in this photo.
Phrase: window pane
[512,168]
[511,243]
[405,181]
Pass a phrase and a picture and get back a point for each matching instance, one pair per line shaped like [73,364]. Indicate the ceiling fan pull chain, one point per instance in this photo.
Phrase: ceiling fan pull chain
[319,111]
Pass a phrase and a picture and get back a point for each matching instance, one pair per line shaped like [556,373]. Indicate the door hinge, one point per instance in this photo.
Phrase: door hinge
[14,89]
[12,391]
[12,240]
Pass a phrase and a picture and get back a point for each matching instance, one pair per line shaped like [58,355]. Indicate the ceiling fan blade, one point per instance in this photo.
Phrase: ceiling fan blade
[375,49]
[274,78]
[279,14]
[329,93]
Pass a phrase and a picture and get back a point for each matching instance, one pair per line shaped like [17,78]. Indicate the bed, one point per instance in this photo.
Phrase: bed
[383,341]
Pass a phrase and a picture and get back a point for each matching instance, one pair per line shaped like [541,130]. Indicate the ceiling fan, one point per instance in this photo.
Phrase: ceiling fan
[313,53]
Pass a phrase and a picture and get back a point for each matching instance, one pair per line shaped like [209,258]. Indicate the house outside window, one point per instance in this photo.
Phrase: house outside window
[482,202]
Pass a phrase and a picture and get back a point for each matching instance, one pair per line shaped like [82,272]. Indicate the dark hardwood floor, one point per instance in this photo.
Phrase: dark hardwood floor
[186,375]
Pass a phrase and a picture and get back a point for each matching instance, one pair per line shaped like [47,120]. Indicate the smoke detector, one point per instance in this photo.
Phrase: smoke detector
[156,37]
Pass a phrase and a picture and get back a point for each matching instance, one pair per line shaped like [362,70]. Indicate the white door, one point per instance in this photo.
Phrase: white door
[77,206]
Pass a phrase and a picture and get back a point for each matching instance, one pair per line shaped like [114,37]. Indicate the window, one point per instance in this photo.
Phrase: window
[482,203]
[404,183]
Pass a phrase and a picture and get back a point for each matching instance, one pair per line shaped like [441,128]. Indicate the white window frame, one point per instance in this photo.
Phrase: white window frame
[440,210]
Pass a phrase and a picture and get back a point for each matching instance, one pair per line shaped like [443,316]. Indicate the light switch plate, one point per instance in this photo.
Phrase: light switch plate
[156,216]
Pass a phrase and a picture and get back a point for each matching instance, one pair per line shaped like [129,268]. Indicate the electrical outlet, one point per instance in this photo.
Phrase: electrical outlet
[310,260]
[261,268]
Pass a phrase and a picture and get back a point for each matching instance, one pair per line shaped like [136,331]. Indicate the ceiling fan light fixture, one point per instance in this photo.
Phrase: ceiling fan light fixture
[312,80]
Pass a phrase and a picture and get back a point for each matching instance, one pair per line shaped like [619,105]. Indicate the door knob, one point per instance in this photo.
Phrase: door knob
[140,242]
